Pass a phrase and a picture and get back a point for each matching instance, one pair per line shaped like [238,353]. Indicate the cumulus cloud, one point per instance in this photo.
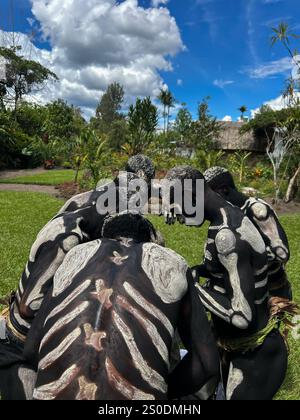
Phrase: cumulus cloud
[96,42]
[227,118]
[156,3]
[276,104]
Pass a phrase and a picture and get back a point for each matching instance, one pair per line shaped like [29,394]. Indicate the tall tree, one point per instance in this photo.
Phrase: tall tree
[291,141]
[168,101]
[183,124]
[142,121]
[108,109]
[206,130]
[22,76]
[283,34]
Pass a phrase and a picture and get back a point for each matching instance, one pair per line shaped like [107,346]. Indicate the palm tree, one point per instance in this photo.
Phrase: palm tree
[242,110]
[283,34]
[167,100]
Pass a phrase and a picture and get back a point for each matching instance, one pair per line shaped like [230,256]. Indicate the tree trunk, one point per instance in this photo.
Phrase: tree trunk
[168,119]
[289,193]
[277,189]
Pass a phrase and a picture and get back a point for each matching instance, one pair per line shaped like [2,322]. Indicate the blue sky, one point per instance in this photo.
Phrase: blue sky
[227,53]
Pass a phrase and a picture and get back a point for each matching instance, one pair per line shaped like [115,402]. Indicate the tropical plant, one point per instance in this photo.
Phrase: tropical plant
[95,157]
[205,160]
[283,34]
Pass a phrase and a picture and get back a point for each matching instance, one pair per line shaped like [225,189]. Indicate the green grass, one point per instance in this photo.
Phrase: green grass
[22,215]
[51,177]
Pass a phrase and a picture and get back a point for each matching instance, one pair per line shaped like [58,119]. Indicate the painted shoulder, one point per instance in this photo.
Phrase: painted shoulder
[78,200]
[166,270]
[225,241]
[74,262]
[257,208]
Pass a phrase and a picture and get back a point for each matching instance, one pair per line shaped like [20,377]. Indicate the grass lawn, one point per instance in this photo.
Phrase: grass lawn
[22,215]
[51,177]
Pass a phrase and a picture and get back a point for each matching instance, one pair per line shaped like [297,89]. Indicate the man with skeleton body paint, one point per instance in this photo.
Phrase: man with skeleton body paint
[106,328]
[236,294]
[77,222]
[265,220]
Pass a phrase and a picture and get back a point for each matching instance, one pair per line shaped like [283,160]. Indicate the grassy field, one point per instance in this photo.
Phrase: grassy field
[52,177]
[22,215]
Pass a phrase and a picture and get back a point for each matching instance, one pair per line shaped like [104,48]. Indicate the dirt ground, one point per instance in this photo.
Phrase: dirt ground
[21,172]
[285,208]
[47,189]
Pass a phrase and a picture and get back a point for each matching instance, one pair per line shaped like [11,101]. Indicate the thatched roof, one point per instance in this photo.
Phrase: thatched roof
[231,139]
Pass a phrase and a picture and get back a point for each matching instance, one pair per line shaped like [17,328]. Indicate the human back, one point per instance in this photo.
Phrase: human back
[109,325]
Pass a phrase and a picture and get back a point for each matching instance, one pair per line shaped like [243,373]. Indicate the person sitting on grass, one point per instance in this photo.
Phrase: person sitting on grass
[106,327]
[236,294]
[79,222]
[265,220]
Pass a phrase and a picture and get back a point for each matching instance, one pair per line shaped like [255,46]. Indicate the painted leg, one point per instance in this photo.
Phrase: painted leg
[17,382]
[258,375]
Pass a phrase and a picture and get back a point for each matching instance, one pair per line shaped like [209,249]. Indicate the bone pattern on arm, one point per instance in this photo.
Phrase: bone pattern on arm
[239,283]
[47,254]
[266,220]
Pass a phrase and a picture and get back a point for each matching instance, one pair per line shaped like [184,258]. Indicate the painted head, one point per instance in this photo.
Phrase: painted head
[142,166]
[183,189]
[221,181]
[260,213]
[130,226]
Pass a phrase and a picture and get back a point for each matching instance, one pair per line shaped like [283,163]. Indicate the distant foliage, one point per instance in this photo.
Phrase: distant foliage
[206,130]
[142,123]
[22,76]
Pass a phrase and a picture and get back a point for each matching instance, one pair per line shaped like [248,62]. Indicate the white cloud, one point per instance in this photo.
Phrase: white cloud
[222,83]
[227,118]
[271,69]
[179,82]
[96,42]
[276,104]
[156,3]
[271,1]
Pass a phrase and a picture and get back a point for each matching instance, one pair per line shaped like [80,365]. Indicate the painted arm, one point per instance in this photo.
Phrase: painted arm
[202,361]
[47,254]
[236,305]
[269,225]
